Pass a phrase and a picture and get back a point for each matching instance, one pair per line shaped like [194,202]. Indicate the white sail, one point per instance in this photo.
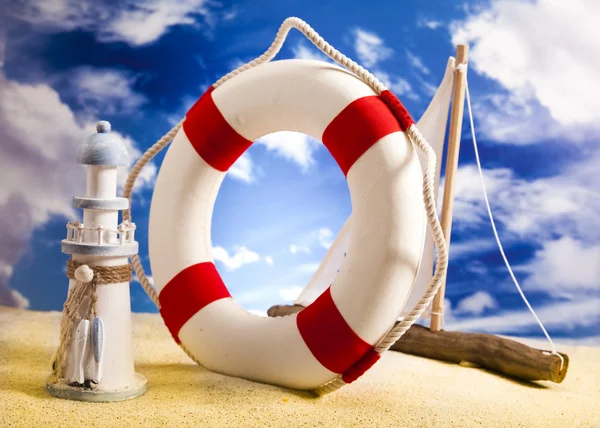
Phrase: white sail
[433,127]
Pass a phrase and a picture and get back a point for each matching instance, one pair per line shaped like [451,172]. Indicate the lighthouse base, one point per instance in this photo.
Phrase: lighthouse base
[63,390]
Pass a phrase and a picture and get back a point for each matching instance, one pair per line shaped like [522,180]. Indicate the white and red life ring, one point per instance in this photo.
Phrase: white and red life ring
[335,335]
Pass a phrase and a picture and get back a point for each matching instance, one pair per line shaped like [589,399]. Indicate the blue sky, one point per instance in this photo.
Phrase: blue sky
[65,64]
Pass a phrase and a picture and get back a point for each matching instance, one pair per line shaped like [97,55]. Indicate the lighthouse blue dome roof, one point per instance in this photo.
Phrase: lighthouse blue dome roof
[103,148]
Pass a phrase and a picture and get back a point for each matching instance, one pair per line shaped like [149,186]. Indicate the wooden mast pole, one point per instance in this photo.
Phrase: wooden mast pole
[456,118]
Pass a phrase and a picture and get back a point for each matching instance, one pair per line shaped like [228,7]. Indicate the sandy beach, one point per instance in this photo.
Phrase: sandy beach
[400,391]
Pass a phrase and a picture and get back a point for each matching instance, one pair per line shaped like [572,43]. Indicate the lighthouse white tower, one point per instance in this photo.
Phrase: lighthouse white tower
[97,356]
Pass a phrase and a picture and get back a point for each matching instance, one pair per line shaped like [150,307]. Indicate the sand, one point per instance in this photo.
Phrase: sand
[400,391]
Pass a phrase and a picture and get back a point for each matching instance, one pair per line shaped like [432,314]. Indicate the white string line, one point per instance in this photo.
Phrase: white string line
[489,210]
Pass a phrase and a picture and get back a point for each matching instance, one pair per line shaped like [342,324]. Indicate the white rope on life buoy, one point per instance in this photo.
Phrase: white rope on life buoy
[428,191]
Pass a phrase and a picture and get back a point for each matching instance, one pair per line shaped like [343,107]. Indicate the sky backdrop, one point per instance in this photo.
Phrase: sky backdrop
[64,64]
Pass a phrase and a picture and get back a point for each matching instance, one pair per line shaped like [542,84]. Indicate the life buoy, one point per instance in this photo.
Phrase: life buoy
[338,331]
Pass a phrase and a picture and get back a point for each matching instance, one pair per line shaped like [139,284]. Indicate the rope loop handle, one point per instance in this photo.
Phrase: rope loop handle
[428,188]
[319,42]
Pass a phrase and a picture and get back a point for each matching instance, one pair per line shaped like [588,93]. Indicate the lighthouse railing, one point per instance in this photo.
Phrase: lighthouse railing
[123,234]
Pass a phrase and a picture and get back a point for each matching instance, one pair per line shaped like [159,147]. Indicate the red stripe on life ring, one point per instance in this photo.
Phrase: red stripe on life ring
[189,291]
[328,336]
[360,125]
[211,136]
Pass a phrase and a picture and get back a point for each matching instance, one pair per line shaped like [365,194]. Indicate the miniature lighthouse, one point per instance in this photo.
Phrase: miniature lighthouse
[94,361]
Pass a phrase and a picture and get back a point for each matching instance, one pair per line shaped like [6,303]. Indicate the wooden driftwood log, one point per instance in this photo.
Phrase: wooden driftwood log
[504,356]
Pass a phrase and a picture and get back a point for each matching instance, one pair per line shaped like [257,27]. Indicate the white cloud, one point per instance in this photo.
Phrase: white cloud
[550,81]
[448,310]
[134,22]
[564,267]
[539,209]
[109,91]
[560,316]
[294,146]
[263,297]
[468,209]
[305,51]
[186,103]
[21,301]
[370,48]
[255,296]
[507,118]
[269,260]
[145,179]
[258,312]
[2,48]
[243,168]
[308,268]
[397,85]
[476,303]
[477,267]
[559,215]
[230,14]
[290,294]
[40,136]
[296,249]
[240,257]
[428,88]
[236,63]
[432,24]
[371,51]
[417,62]
[471,247]
[146,21]
[6,270]
[326,237]
[40,139]
[322,237]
